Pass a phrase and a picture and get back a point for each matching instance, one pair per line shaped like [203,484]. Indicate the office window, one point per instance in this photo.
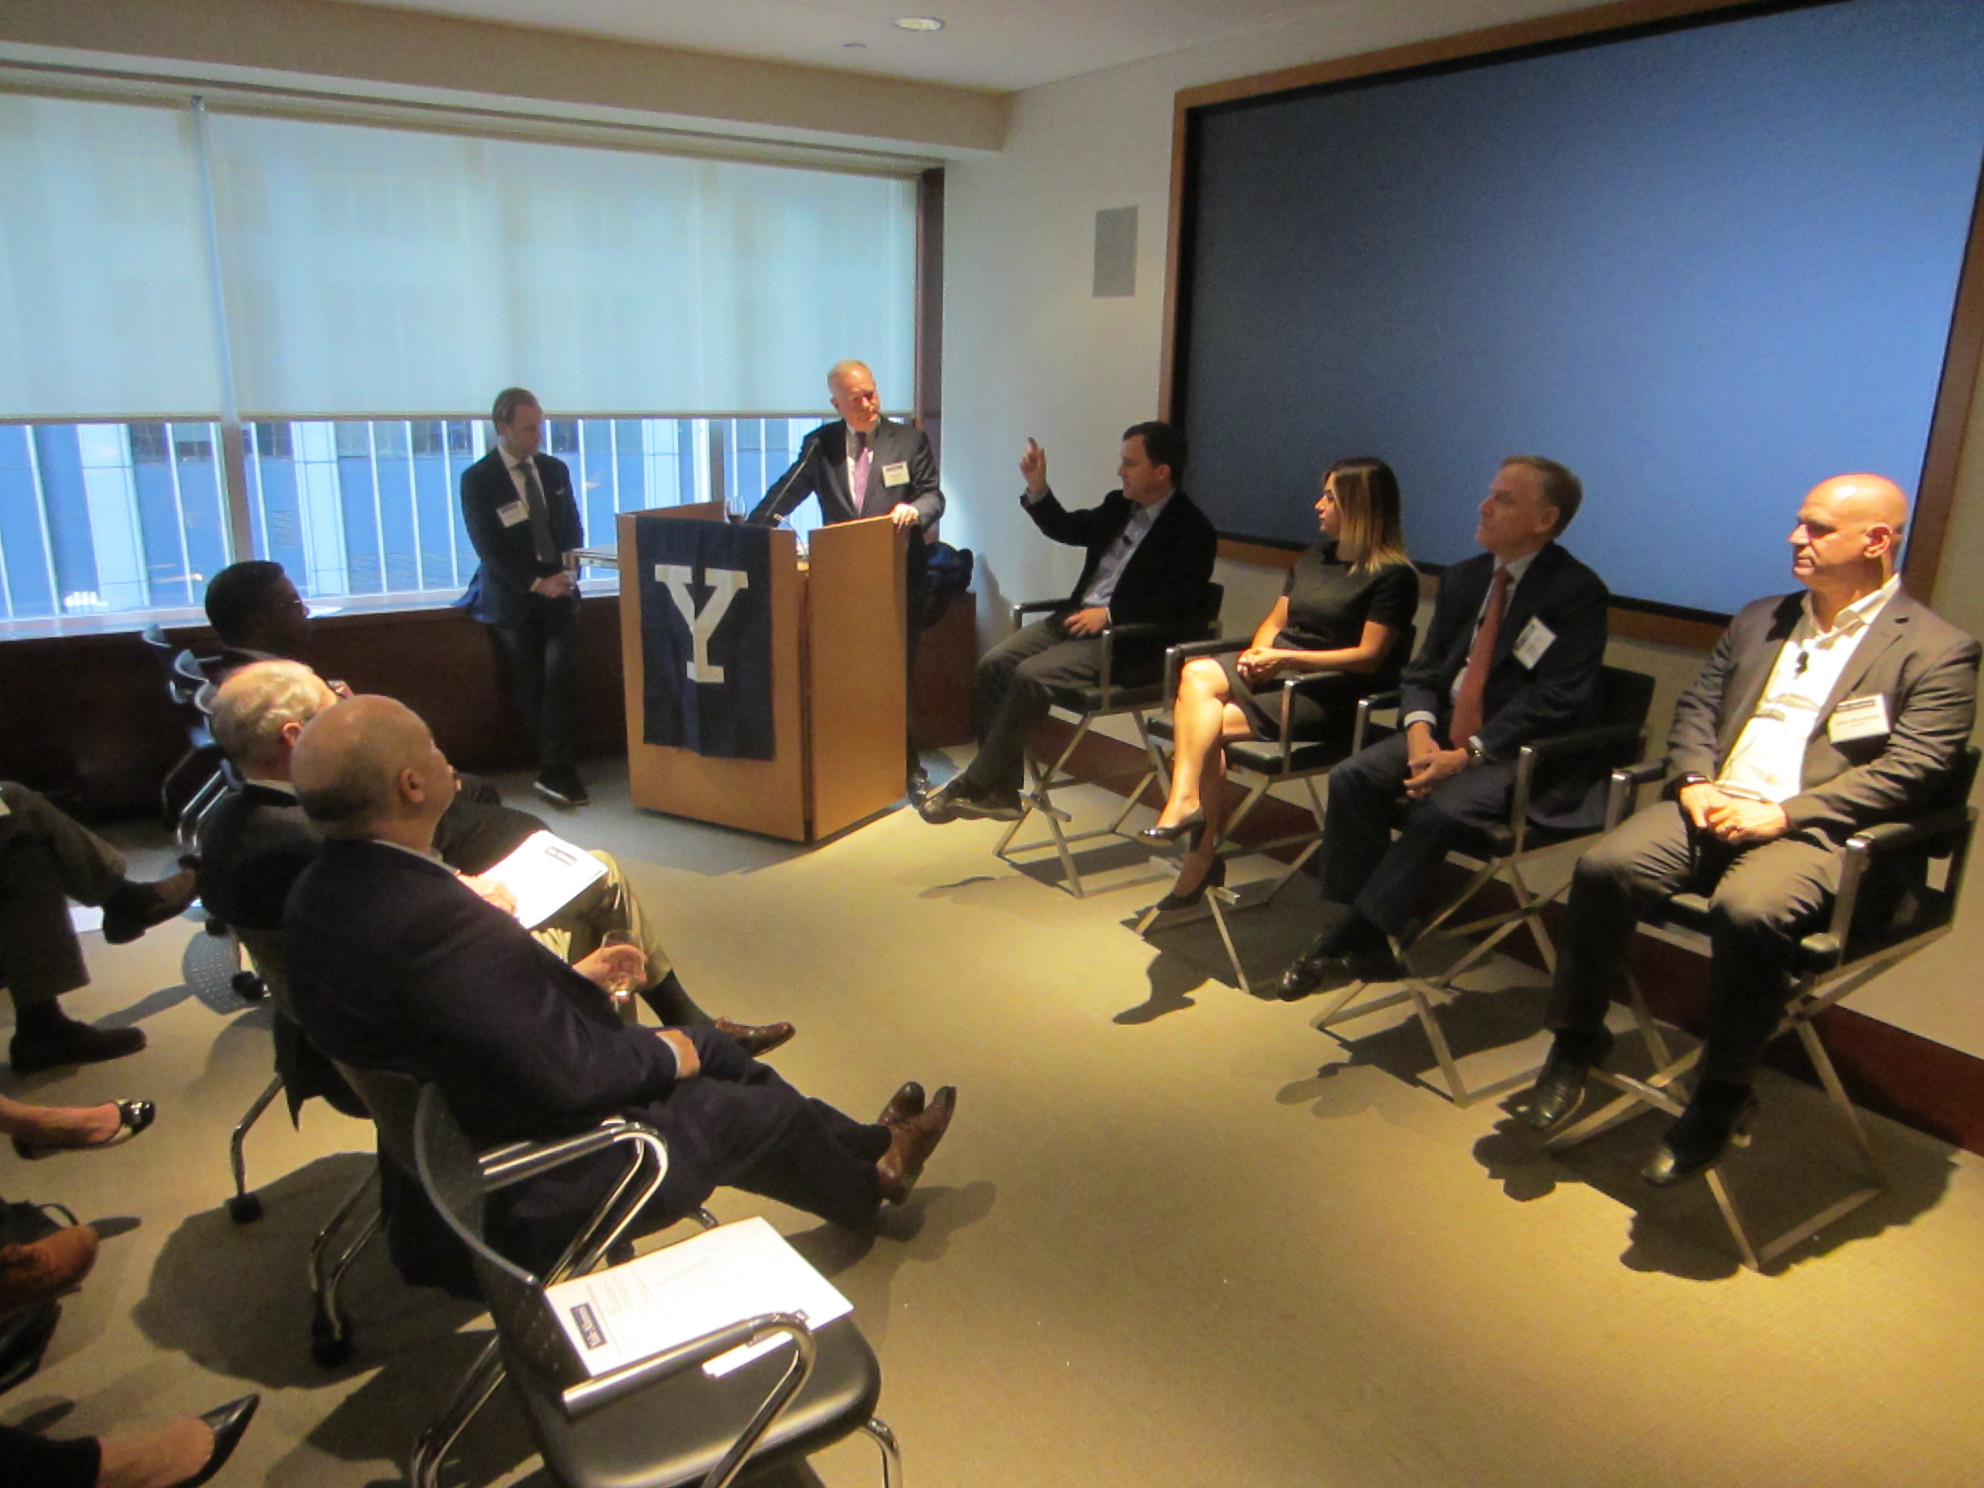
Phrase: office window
[372,288]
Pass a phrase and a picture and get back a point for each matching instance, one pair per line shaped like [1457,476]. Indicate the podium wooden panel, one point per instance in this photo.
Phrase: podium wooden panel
[838,700]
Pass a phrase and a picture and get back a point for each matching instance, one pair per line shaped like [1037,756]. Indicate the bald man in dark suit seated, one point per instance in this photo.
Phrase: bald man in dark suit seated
[395,964]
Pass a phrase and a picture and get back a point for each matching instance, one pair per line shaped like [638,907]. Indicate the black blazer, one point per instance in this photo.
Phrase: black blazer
[394,964]
[821,470]
[499,594]
[1165,580]
[1925,669]
[1520,703]
[253,846]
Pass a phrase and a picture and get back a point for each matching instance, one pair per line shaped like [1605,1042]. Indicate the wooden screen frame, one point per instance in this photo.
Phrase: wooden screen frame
[1935,499]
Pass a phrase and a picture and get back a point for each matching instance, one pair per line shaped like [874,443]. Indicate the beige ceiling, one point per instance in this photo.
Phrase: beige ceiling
[1002,44]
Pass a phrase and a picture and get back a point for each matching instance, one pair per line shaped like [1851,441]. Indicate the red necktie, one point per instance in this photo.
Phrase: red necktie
[1466,722]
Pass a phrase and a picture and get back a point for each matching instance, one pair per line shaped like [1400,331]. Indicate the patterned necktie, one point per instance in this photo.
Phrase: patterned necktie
[540,515]
[1466,722]
[862,458]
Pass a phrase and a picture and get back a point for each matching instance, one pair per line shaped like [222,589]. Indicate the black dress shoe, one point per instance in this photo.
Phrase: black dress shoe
[1719,1114]
[940,806]
[1213,878]
[1176,830]
[228,1423]
[562,787]
[136,907]
[73,1043]
[133,1116]
[1559,1089]
[916,785]
[1002,806]
[1318,969]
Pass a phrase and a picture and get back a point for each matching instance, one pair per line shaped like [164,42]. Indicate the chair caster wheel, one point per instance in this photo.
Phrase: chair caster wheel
[330,1346]
[248,986]
[245,1208]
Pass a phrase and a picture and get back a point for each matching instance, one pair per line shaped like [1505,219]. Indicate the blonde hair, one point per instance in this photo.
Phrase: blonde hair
[255,704]
[1367,494]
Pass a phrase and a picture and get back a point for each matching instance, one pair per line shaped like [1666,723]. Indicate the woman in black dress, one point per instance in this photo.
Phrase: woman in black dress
[1346,602]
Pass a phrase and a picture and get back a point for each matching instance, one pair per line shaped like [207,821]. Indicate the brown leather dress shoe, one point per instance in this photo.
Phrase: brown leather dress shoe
[45,1268]
[911,1144]
[756,1038]
[903,1105]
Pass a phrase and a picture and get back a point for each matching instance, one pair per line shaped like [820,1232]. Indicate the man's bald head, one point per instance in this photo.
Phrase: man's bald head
[369,768]
[260,709]
[1848,538]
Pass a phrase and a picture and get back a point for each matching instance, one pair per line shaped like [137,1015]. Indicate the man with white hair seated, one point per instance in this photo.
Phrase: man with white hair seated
[395,964]
[256,842]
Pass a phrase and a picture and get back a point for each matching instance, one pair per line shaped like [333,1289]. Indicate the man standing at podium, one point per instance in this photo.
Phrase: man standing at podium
[864,465]
[518,507]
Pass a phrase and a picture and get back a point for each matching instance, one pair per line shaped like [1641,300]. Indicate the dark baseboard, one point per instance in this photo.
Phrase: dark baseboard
[1901,1075]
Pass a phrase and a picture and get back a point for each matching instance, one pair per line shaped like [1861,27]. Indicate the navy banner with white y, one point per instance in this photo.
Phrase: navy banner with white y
[706,636]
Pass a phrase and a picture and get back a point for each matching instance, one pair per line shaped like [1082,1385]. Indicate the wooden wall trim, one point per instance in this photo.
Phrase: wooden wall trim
[1963,358]
[1625,623]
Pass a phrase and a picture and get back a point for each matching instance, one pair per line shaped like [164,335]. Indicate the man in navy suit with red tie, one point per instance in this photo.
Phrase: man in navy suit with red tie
[864,465]
[1512,654]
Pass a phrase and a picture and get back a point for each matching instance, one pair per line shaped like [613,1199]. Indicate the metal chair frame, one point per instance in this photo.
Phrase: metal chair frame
[1112,699]
[1528,846]
[516,1298]
[1944,833]
[1220,901]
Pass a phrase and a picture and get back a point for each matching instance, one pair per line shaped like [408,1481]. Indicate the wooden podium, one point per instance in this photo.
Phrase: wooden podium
[839,707]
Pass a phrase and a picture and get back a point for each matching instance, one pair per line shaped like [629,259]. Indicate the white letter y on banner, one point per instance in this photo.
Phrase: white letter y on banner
[725,584]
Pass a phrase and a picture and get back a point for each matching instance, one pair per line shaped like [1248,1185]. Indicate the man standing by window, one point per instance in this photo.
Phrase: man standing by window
[517,504]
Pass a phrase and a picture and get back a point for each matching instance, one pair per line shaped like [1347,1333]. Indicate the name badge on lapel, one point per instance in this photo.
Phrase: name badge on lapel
[1859,718]
[517,511]
[896,474]
[1533,642]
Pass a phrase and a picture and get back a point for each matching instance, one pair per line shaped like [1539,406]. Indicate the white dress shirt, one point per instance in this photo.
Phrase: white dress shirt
[1768,761]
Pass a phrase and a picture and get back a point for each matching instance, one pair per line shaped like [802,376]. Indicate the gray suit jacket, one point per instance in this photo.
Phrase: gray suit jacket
[1923,666]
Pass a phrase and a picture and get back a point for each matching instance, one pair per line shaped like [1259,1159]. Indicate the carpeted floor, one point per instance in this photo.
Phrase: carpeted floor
[1176,1236]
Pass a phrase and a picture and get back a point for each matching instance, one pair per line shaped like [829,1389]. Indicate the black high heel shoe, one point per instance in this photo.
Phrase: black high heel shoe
[1215,878]
[1176,830]
[133,1116]
[228,1423]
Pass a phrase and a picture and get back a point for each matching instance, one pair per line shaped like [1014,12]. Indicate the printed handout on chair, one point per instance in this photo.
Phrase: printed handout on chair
[679,1293]
[546,873]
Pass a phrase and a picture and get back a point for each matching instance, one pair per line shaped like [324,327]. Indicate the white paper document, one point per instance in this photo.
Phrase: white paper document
[546,873]
[679,1293]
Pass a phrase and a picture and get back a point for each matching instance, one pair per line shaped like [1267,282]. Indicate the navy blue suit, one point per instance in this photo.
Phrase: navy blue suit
[1389,881]
[396,965]
[539,635]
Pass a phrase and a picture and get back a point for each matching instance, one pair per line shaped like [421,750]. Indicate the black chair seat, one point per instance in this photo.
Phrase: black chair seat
[1092,700]
[676,1433]
[1264,757]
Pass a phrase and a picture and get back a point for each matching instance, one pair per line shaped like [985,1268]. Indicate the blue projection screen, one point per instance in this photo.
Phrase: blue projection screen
[1704,267]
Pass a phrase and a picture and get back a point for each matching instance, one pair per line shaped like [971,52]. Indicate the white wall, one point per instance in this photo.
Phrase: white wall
[1028,351]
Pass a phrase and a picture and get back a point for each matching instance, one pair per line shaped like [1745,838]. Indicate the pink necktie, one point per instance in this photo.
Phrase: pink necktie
[862,458]
[1466,721]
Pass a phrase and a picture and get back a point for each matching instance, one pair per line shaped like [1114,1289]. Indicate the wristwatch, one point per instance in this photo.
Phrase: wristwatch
[1475,753]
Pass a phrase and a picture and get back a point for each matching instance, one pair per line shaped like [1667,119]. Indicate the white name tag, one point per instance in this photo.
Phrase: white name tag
[517,511]
[896,474]
[1533,642]
[1859,718]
